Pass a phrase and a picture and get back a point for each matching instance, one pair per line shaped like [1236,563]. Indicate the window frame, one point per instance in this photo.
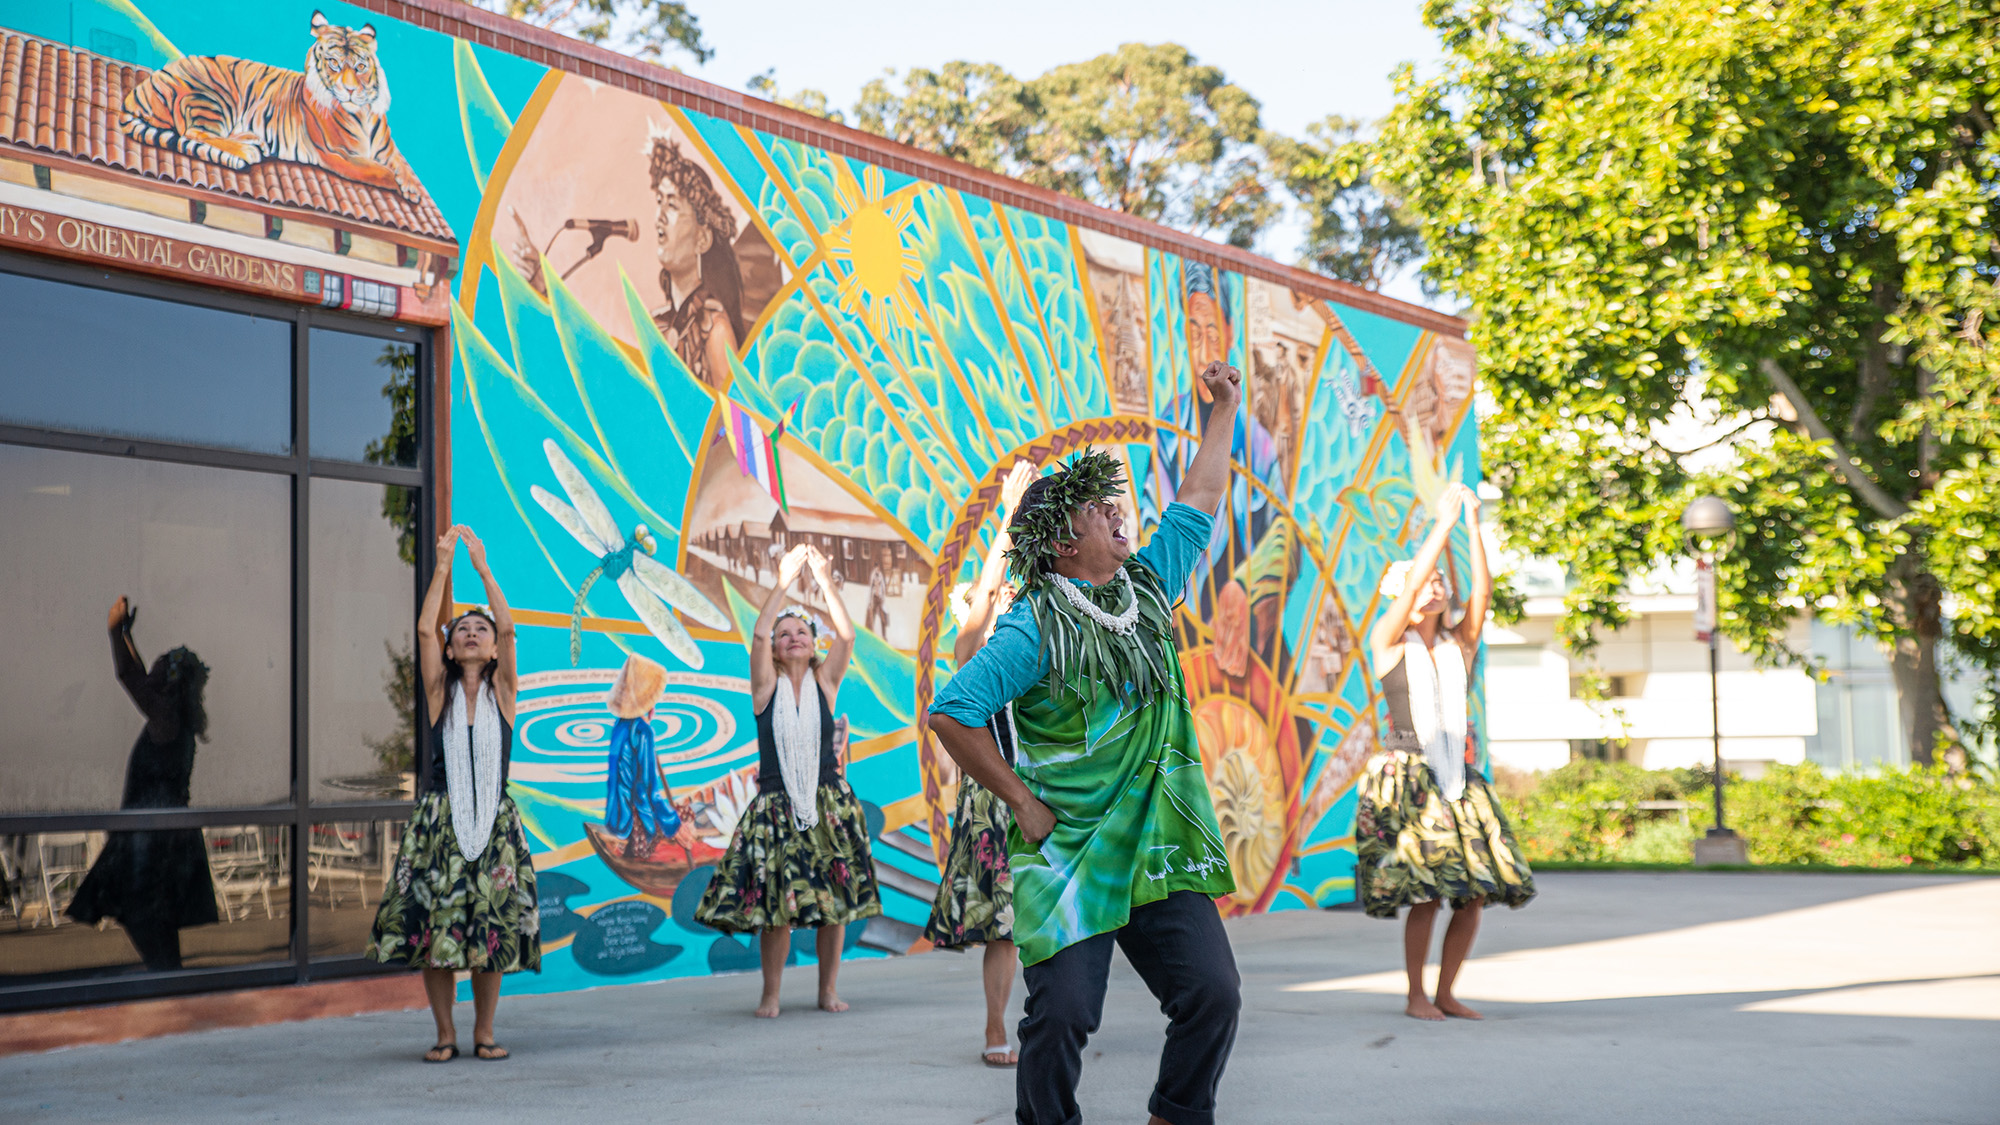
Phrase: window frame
[300,811]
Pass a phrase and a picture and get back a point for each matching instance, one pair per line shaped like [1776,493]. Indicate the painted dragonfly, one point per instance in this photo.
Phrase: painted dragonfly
[646,582]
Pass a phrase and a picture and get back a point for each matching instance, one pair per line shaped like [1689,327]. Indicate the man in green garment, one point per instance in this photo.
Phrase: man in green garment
[1114,838]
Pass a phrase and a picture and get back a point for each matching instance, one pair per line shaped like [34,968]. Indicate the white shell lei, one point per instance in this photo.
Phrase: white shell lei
[795,729]
[472,771]
[1122,624]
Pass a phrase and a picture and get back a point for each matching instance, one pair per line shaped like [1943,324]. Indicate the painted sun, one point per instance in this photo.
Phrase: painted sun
[879,266]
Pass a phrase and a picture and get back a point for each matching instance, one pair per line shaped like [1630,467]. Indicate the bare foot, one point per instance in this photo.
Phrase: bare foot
[1452,1007]
[831,1002]
[1420,1008]
[768,1009]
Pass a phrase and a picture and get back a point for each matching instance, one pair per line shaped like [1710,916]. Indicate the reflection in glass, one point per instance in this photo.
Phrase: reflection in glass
[114,363]
[347,865]
[207,552]
[363,702]
[43,878]
[154,883]
[364,398]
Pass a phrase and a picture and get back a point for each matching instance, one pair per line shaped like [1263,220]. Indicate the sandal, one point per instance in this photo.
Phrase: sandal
[996,1057]
[450,1052]
[485,1052]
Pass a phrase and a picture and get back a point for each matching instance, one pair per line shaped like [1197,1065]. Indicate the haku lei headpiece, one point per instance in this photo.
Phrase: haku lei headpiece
[1112,636]
[1043,519]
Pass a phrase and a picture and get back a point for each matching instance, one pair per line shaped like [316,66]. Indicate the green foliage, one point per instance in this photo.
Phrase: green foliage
[1588,811]
[1775,216]
[399,446]
[805,100]
[972,112]
[1355,232]
[645,29]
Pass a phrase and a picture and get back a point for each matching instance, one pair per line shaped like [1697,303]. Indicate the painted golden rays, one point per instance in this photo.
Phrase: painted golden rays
[880,267]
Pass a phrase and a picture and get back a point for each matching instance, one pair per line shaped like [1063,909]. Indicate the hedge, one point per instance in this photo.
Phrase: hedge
[1591,811]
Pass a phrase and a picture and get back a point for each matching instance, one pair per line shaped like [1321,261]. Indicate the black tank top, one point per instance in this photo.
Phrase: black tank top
[1002,726]
[770,779]
[1396,692]
[436,782]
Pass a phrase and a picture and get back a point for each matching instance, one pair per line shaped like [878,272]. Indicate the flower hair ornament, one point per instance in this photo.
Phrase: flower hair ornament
[803,614]
[1394,579]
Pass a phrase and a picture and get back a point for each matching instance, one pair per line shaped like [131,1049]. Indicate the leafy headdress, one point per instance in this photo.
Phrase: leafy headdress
[1082,648]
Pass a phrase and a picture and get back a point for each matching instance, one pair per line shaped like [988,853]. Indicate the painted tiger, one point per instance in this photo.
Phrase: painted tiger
[237,112]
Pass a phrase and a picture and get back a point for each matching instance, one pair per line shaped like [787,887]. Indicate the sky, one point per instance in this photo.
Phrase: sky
[1303,59]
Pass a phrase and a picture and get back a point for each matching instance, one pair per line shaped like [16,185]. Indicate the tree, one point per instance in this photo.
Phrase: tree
[399,446]
[1775,211]
[971,112]
[805,100]
[1149,131]
[1354,232]
[645,29]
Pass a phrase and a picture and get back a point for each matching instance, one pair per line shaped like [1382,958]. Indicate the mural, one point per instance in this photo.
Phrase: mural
[680,346]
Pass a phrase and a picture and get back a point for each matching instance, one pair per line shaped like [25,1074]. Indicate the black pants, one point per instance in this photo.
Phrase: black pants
[1182,953]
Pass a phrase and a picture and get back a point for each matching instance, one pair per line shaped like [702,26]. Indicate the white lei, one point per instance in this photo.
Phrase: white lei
[795,729]
[1436,677]
[472,771]
[1122,624]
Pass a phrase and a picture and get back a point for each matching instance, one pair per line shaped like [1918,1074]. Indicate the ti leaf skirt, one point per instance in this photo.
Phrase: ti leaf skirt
[774,876]
[1413,846]
[440,912]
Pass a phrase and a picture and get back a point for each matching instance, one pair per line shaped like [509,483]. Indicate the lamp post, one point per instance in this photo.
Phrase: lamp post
[1707,526]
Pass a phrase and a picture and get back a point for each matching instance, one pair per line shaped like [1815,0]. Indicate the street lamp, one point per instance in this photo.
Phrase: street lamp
[1707,527]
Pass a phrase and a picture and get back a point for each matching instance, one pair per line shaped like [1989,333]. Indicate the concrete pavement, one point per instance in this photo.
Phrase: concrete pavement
[1634,997]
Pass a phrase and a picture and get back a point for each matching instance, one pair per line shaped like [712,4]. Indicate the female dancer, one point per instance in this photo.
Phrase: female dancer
[975,899]
[1428,828]
[156,882]
[800,855]
[464,890]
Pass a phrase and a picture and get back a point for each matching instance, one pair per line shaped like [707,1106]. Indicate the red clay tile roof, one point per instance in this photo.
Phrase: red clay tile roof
[68,102]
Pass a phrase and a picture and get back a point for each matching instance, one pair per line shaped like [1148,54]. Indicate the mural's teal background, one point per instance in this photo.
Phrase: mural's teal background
[929,337]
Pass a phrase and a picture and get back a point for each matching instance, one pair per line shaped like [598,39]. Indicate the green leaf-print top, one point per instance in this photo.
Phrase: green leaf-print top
[1133,817]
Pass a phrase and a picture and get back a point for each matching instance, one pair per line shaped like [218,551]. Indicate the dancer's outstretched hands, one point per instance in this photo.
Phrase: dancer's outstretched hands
[445,545]
[821,566]
[474,549]
[1470,505]
[1018,479]
[1223,384]
[790,566]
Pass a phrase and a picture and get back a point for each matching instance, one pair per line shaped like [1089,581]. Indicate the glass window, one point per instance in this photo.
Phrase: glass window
[83,904]
[363,607]
[364,398]
[347,866]
[96,721]
[115,363]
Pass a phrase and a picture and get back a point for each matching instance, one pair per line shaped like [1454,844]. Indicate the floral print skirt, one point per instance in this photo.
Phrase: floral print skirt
[1413,846]
[441,912]
[975,900]
[775,876]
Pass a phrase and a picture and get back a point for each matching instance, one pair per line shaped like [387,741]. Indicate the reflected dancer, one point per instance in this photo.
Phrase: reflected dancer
[154,883]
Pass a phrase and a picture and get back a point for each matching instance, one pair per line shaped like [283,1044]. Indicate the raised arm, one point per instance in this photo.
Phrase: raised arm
[983,603]
[764,674]
[842,649]
[1207,478]
[130,669]
[506,680]
[1389,628]
[1480,598]
[430,624]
